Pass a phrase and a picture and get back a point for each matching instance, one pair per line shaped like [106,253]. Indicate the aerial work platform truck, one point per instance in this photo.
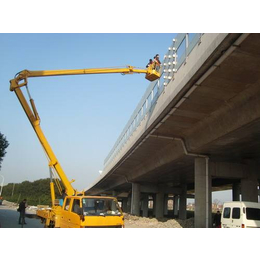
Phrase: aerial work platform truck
[77,209]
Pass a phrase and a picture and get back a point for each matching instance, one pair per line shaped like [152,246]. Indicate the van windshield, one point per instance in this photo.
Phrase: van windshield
[100,207]
[252,214]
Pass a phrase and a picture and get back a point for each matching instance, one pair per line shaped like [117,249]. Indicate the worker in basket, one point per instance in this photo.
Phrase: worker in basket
[156,62]
[149,63]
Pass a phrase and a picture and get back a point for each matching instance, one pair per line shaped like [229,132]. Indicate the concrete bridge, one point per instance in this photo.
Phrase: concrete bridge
[196,130]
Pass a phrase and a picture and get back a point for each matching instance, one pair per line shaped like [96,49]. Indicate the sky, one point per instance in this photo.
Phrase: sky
[81,116]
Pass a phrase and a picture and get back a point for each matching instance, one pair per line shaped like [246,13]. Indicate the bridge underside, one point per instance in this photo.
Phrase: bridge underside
[219,119]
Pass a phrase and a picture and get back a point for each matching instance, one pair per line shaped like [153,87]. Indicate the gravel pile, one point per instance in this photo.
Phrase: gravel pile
[141,222]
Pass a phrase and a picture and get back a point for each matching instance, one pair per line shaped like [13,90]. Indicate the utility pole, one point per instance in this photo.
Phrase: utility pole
[13,189]
[19,198]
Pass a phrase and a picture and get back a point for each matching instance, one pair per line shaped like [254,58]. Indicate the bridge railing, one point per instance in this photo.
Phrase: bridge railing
[175,57]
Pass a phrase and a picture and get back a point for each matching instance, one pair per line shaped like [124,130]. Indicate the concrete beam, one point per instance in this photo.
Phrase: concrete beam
[149,188]
[226,170]
[170,190]
[152,188]
[122,195]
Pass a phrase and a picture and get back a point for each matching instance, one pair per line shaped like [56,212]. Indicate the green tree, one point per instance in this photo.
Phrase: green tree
[3,145]
[36,192]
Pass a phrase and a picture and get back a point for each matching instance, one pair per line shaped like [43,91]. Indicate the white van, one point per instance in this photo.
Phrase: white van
[240,214]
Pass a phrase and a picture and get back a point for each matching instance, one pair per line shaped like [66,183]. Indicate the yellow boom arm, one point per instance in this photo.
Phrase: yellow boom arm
[21,80]
[151,74]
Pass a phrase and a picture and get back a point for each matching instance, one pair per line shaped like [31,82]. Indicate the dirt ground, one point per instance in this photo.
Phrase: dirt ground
[141,222]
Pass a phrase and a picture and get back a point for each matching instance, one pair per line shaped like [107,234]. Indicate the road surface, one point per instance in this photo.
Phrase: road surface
[9,219]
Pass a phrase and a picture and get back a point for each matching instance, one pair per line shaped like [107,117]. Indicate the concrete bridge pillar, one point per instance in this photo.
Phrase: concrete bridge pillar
[154,204]
[203,199]
[183,202]
[129,204]
[175,205]
[249,184]
[165,206]
[236,191]
[135,210]
[159,205]
[145,205]
[124,204]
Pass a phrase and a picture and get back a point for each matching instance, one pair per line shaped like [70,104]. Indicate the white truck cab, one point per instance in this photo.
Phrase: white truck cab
[240,214]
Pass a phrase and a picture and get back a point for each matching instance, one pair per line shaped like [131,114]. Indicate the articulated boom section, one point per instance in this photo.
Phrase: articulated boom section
[151,74]
[35,122]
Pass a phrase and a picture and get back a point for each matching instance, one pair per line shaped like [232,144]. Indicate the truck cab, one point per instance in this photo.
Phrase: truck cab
[91,212]
[240,214]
